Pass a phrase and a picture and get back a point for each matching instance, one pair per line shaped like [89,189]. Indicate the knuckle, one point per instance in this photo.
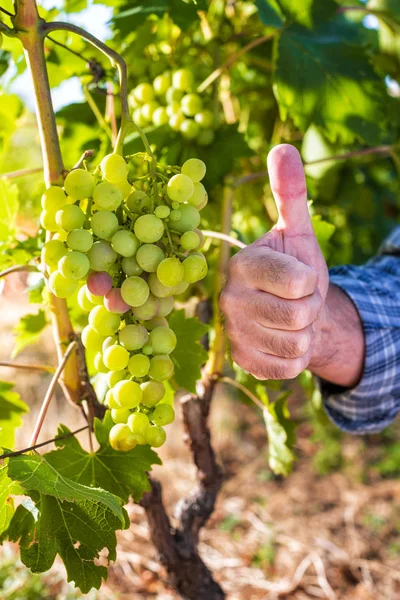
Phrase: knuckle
[298,284]
[300,316]
[296,345]
[294,368]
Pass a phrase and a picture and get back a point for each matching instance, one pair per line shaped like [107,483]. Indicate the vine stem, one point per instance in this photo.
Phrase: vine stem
[45,368]
[18,269]
[50,393]
[95,109]
[55,439]
[225,238]
[21,173]
[243,389]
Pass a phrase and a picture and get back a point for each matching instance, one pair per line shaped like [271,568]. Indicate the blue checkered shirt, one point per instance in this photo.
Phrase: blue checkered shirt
[375,290]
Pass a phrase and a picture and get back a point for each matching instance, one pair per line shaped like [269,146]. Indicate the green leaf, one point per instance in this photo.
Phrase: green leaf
[35,290]
[323,231]
[270,13]
[7,489]
[184,13]
[123,474]
[332,85]
[11,410]
[189,355]
[308,12]
[28,330]
[9,206]
[73,520]
[133,14]
[281,436]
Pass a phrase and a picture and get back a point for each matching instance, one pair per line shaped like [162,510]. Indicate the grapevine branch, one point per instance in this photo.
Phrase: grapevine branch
[226,238]
[21,173]
[55,439]
[27,367]
[243,389]
[18,269]
[50,392]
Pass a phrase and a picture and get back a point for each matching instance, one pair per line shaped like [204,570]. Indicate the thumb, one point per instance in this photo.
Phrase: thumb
[288,184]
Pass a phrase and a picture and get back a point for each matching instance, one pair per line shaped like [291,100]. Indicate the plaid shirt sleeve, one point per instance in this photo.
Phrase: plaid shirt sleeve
[375,290]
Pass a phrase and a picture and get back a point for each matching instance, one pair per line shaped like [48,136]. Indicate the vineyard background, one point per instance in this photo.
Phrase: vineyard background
[337,514]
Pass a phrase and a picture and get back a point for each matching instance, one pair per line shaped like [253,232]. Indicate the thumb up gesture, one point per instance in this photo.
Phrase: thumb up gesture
[276,288]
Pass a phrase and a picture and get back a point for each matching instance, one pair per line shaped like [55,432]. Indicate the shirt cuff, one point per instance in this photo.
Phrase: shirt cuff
[375,402]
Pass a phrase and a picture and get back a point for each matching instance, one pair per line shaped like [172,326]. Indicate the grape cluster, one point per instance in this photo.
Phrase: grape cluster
[171,100]
[127,251]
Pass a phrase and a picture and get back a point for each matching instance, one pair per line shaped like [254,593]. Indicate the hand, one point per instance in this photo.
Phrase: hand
[276,288]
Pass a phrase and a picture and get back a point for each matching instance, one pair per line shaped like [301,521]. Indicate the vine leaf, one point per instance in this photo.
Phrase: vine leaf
[269,13]
[11,410]
[66,518]
[307,12]
[124,474]
[281,435]
[28,330]
[132,14]
[323,232]
[189,355]
[340,92]
[9,206]
[7,489]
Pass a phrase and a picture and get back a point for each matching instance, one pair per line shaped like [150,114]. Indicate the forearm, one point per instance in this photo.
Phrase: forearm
[339,346]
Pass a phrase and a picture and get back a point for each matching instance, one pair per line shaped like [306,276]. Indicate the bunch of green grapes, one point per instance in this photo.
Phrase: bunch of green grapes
[127,251]
[172,100]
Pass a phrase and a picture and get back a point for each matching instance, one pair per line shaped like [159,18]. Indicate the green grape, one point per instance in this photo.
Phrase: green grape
[116,358]
[124,187]
[176,120]
[174,109]
[205,119]
[148,110]
[48,221]
[139,365]
[189,129]
[114,167]
[70,217]
[139,118]
[176,206]
[144,93]
[95,300]
[161,367]
[61,286]
[60,235]
[199,197]
[127,394]
[195,268]
[74,265]
[99,363]
[125,243]
[163,415]
[183,80]
[190,219]
[130,266]
[103,321]
[104,224]
[79,184]
[138,423]
[149,229]
[53,199]
[173,95]
[91,339]
[191,104]
[112,379]
[148,310]
[157,322]
[109,399]
[83,300]
[180,188]
[162,83]
[107,196]
[52,251]
[163,340]
[155,436]
[175,215]
[157,288]
[135,291]
[80,239]
[101,256]
[110,340]
[121,438]
[190,240]
[133,337]
[153,392]
[135,200]
[205,137]
[195,169]
[1,40]
[162,212]
[147,349]
[165,306]
[160,116]
[149,257]
[120,415]
[170,272]
[180,289]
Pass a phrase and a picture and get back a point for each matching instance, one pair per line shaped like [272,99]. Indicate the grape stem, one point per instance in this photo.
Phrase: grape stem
[87,154]
[95,109]
[226,238]
[21,173]
[243,389]
[18,269]
[50,393]
[27,367]
[55,439]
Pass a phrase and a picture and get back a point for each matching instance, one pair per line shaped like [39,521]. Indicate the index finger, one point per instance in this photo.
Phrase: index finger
[270,271]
